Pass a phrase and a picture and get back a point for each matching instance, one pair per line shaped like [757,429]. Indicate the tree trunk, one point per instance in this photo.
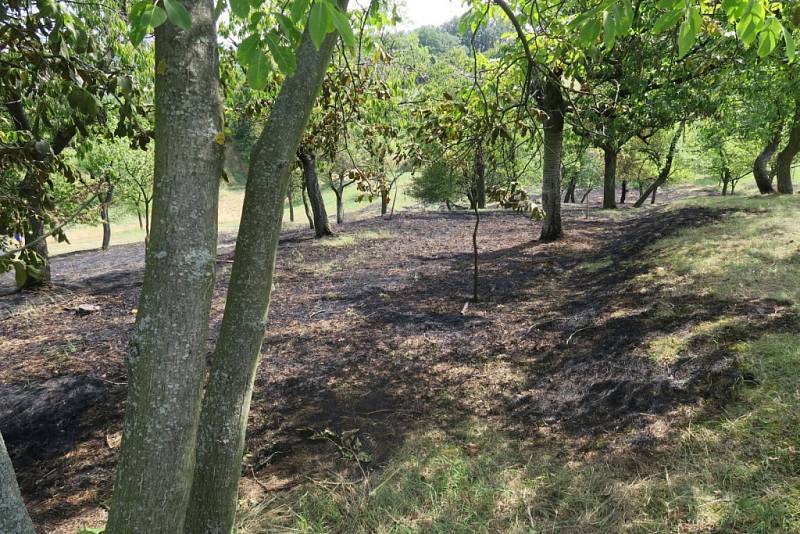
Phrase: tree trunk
[14,516]
[291,206]
[586,195]
[230,383]
[146,223]
[480,176]
[725,179]
[569,196]
[609,178]
[551,163]
[663,174]
[139,216]
[109,196]
[786,156]
[306,207]
[339,206]
[761,171]
[31,190]
[475,255]
[168,347]
[321,226]
[384,202]
[624,192]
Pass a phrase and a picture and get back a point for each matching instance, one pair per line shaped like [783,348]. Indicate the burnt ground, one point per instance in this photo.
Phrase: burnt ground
[367,334]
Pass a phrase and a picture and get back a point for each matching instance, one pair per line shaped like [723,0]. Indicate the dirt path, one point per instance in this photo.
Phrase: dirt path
[367,334]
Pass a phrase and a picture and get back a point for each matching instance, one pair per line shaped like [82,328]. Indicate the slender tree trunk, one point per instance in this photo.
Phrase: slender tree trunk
[761,171]
[569,196]
[14,516]
[725,183]
[553,126]
[663,174]
[624,192]
[291,206]
[31,190]
[339,206]
[609,178]
[321,226]
[384,201]
[786,156]
[480,176]
[306,207]
[475,255]
[586,195]
[227,401]
[168,347]
[109,196]
[139,216]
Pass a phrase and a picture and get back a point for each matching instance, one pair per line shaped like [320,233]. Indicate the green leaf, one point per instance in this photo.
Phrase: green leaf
[247,50]
[178,15]
[318,23]
[282,55]
[289,29]
[20,273]
[688,32]
[791,48]
[666,21]
[240,8]
[298,9]
[342,24]
[258,70]
[590,32]
[623,13]
[154,16]
[609,30]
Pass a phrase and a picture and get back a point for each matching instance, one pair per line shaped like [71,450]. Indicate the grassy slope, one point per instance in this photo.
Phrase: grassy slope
[734,472]
[125,227]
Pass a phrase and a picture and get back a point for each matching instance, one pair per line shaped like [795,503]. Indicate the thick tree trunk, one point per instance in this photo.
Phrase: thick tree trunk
[786,156]
[230,384]
[14,517]
[609,178]
[624,193]
[109,196]
[321,226]
[291,206]
[306,207]
[553,126]
[480,177]
[761,170]
[663,174]
[167,356]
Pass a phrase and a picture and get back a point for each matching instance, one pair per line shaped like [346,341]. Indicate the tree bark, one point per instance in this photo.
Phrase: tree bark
[609,178]
[291,207]
[229,389]
[321,226]
[553,126]
[586,195]
[569,196]
[31,190]
[786,156]
[480,176]
[106,202]
[624,193]
[384,201]
[168,347]
[306,207]
[14,516]
[760,167]
[339,205]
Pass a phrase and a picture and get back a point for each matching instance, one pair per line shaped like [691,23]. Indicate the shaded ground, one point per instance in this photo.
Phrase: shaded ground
[368,337]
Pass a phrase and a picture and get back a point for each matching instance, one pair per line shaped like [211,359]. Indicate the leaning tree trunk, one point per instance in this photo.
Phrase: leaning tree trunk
[480,176]
[321,226]
[609,178]
[786,156]
[663,174]
[167,356]
[761,171]
[553,126]
[291,207]
[569,196]
[14,517]
[104,205]
[230,384]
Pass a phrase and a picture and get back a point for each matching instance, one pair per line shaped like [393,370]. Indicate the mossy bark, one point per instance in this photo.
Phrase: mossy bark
[168,348]
[230,385]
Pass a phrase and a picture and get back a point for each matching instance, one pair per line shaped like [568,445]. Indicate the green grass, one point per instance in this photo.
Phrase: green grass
[125,227]
[735,471]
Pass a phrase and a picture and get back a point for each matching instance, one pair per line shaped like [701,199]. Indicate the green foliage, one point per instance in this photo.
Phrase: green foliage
[436,183]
